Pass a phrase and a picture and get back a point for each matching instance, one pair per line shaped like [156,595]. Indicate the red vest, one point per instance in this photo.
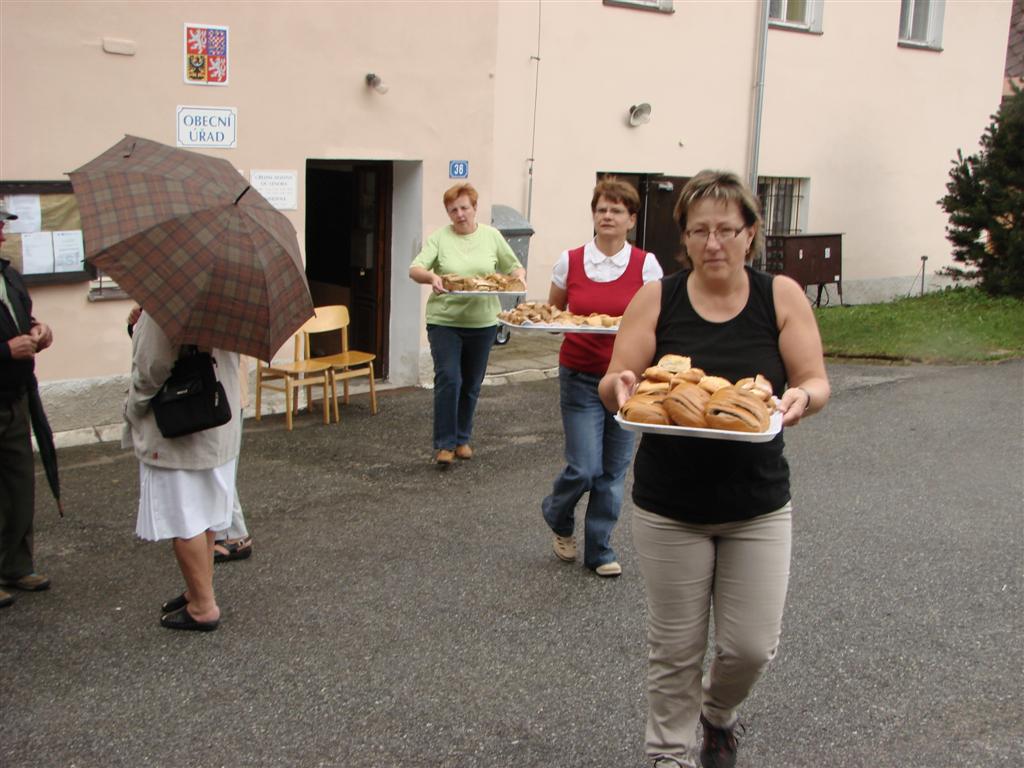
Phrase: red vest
[591,352]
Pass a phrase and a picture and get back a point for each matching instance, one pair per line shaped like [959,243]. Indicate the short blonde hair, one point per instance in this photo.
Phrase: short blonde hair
[454,193]
[726,187]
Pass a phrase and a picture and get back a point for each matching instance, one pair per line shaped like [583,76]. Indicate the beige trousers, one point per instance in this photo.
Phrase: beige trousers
[742,570]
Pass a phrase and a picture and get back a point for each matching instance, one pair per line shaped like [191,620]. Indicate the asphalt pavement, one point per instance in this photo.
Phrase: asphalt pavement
[396,615]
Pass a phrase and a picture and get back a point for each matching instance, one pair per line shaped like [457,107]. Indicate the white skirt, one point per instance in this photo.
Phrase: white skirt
[182,503]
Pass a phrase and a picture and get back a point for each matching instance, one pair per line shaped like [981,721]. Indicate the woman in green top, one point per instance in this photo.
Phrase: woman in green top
[460,329]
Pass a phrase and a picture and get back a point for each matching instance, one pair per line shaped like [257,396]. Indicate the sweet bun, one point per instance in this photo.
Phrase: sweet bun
[645,410]
[685,405]
[713,383]
[648,385]
[759,385]
[693,375]
[739,410]
[657,373]
[674,363]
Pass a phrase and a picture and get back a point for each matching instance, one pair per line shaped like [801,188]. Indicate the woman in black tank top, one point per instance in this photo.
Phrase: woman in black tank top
[713,517]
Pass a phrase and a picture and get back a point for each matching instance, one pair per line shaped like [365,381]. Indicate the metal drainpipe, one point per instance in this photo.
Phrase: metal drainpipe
[759,99]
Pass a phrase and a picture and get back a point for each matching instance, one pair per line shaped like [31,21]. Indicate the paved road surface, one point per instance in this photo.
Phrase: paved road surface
[394,615]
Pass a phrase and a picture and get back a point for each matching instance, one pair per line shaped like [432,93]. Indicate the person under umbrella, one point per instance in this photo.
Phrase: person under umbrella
[187,483]
[22,337]
[214,265]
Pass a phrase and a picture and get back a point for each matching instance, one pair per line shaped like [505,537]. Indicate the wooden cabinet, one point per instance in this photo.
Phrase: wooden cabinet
[810,259]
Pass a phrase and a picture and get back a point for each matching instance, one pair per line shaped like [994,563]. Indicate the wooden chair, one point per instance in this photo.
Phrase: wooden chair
[344,365]
[289,377]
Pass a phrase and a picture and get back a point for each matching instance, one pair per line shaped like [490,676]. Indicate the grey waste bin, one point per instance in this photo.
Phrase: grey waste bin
[516,230]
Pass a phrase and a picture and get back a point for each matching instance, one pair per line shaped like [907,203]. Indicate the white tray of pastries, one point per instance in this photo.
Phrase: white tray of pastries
[484,285]
[775,426]
[537,316]
[673,398]
[553,328]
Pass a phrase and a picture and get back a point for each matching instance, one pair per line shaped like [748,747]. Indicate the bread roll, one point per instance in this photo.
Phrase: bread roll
[657,373]
[713,383]
[674,363]
[693,375]
[685,405]
[652,386]
[644,410]
[739,410]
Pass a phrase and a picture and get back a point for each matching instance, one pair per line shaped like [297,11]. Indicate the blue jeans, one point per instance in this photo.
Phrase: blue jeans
[460,362]
[597,455]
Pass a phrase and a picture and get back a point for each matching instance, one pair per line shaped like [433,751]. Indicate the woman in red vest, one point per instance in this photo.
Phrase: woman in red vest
[602,277]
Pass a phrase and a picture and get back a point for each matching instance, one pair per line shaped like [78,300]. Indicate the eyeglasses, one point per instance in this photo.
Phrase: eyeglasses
[723,235]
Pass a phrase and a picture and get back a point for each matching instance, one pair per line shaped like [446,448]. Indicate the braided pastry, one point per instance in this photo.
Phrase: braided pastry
[737,409]
[685,405]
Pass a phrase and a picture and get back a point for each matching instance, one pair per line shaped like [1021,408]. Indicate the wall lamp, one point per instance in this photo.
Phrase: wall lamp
[374,81]
[639,114]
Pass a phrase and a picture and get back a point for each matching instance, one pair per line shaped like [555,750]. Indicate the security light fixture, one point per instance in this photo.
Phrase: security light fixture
[374,81]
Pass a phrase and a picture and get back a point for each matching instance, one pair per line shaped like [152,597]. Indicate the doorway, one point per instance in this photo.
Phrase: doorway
[348,249]
[656,231]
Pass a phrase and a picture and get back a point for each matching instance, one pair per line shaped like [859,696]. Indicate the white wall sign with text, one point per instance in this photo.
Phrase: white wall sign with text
[279,187]
[207,127]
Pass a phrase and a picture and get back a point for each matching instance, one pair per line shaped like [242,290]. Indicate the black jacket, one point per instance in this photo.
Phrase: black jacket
[16,376]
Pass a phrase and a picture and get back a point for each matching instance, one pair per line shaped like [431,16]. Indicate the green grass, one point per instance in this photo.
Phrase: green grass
[960,325]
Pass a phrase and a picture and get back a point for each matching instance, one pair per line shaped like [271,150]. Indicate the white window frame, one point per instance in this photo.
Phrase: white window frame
[933,33]
[810,23]
[661,6]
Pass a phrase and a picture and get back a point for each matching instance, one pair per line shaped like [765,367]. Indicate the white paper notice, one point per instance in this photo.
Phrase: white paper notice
[68,251]
[28,211]
[36,253]
[279,187]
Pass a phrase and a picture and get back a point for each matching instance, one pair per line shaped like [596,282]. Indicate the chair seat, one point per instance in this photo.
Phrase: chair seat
[298,367]
[346,359]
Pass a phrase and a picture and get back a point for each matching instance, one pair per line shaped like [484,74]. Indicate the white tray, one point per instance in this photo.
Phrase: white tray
[774,427]
[551,328]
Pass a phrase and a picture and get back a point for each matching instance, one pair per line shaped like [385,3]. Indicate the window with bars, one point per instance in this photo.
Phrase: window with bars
[783,204]
[921,23]
[802,15]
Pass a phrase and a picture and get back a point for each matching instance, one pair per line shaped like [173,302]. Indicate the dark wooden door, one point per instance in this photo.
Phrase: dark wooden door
[348,247]
[656,231]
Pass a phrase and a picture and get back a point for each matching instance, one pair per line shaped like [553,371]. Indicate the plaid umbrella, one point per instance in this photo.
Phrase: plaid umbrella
[204,253]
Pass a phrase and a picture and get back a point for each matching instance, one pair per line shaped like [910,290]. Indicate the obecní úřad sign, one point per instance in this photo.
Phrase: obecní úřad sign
[207,127]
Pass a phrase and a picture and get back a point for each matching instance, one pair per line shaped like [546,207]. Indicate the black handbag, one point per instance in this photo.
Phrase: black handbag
[192,399]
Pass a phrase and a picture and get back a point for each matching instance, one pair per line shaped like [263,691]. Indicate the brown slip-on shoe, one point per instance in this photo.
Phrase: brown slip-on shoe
[33,582]
[445,458]
[463,452]
[6,598]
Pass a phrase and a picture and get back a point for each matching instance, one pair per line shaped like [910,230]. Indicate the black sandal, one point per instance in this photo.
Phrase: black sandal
[182,619]
[232,550]
[174,604]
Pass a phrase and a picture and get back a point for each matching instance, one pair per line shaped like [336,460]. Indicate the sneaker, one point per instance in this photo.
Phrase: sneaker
[719,747]
[6,598]
[672,762]
[445,458]
[608,570]
[33,582]
[463,452]
[565,548]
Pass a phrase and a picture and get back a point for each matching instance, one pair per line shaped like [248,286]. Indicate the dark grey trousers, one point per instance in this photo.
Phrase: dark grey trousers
[17,490]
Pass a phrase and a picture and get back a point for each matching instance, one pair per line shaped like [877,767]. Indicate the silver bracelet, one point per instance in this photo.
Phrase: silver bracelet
[808,406]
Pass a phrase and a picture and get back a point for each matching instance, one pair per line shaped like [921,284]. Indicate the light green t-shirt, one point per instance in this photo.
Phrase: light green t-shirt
[482,253]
